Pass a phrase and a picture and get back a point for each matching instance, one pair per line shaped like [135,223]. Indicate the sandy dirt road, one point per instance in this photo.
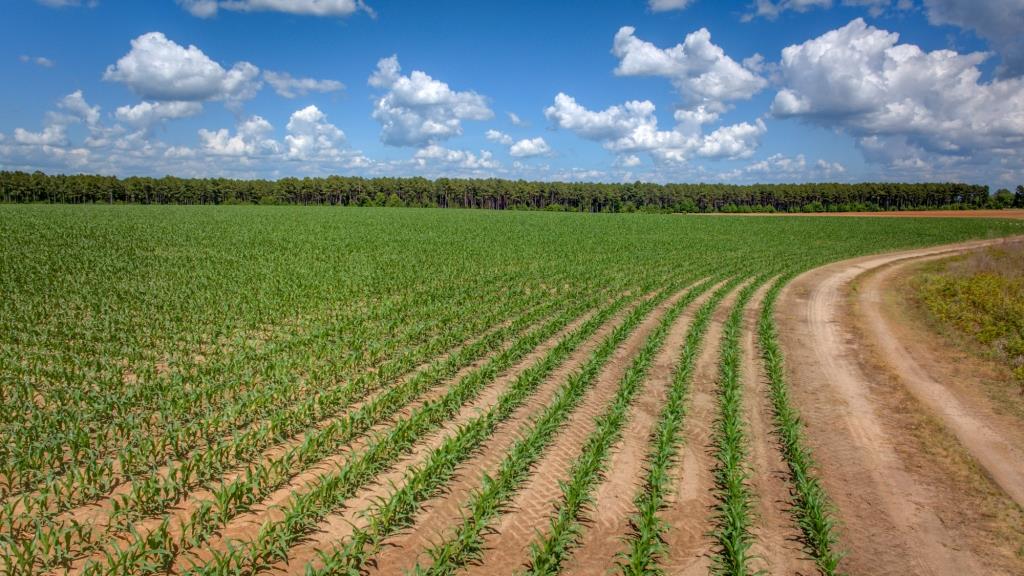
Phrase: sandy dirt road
[865,400]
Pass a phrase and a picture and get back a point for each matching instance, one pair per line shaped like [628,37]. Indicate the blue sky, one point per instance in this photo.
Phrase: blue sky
[658,90]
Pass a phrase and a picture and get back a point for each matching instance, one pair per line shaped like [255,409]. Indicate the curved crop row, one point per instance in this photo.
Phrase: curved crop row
[398,510]
[152,495]
[646,547]
[101,432]
[465,545]
[264,476]
[733,516]
[552,548]
[813,510]
[303,510]
[190,417]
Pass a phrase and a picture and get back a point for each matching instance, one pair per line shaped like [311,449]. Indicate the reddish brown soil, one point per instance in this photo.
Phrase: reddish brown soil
[1014,214]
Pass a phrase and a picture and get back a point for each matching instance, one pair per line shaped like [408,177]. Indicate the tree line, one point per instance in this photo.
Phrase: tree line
[494,193]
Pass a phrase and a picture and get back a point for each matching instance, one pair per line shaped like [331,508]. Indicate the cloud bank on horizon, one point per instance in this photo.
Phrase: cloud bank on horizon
[677,90]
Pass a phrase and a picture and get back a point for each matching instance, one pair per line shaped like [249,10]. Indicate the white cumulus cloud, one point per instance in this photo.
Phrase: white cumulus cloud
[145,114]
[311,145]
[998,21]
[633,127]
[251,138]
[525,148]
[71,109]
[200,8]
[311,136]
[666,5]
[76,105]
[783,168]
[158,68]
[733,141]
[51,135]
[499,137]
[417,110]
[698,68]
[462,159]
[528,147]
[899,100]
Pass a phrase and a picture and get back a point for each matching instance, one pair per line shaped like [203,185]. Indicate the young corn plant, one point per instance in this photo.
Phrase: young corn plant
[734,511]
[486,504]
[398,510]
[812,510]
[140,447]
[261,478]
[646,547]
[152,494]
[550,549]
[304,510]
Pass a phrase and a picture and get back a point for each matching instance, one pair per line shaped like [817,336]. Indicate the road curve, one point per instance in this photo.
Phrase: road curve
[878,496]
[1000,456]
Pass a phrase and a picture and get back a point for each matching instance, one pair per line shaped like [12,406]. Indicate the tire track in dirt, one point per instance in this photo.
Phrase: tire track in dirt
[442,514]
[890,511]
[777,547]
[270,509]
[339,525]
[507,546]
[999,452]
[607,520]
[688,515]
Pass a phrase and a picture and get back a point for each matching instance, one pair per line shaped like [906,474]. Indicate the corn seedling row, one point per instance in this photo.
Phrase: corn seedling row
[116,440]
[486,504]
[303,511]
[155,493]
[265,476]
[142,448]
[398,509]
[733,513]
[551,548]
[646,547]
[812,508]
[151,354]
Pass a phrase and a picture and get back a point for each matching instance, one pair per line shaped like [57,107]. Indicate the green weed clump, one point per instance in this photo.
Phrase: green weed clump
[981,296]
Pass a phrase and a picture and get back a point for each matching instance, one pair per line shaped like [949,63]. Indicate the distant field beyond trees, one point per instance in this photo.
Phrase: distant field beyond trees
[500,194]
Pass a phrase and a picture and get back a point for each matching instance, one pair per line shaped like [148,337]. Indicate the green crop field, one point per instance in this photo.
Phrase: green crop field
[167,372]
